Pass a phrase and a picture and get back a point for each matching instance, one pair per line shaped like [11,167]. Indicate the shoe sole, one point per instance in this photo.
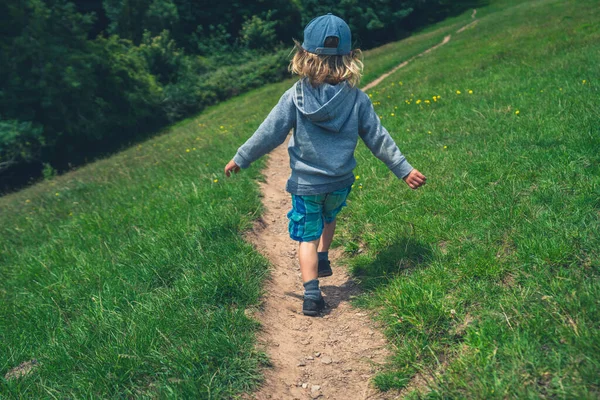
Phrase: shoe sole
[322,274]
[310,313]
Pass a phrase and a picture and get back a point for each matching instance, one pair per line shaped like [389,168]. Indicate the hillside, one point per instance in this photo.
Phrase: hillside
[129,277]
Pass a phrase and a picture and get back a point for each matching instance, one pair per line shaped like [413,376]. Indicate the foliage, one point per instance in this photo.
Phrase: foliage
[19,142]
[257,33]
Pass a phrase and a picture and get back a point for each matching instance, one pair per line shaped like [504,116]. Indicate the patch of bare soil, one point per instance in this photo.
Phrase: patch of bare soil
[22,370]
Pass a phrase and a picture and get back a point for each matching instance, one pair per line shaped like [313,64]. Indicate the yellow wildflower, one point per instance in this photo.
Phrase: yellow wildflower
[419,101]
[400,83]
[370,95]
[222,127]
[56,194]
[392,114]
[215,180]
[445,147]
[429,132]
[470,91]
[187,150]
[357,177]
[517,112]
[458,92]
[27,201]
[583,81]
[427,102]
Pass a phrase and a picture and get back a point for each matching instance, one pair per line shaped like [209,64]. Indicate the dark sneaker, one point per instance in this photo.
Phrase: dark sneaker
[324,268]
[313,307]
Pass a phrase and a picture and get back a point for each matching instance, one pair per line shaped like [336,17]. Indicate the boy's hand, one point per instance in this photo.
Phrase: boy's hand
[231,166]
[415,179]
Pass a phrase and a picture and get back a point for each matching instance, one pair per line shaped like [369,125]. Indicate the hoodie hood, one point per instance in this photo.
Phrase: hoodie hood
[327,106]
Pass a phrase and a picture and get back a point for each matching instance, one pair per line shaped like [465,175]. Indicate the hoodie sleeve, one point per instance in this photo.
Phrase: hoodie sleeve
[270,134]
[379,141]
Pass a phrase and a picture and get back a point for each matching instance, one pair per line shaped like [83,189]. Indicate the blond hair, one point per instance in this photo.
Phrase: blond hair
[332,69]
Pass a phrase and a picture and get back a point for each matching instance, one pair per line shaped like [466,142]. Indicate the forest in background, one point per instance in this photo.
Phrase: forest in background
[80,79]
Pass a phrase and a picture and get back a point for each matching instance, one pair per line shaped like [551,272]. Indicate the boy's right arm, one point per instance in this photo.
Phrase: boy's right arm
[270,134]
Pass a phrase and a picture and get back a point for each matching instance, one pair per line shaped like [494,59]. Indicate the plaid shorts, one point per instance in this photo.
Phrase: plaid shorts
[309,213]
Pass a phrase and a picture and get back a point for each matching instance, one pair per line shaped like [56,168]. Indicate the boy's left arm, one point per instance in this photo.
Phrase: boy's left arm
[270,134]
[381,144]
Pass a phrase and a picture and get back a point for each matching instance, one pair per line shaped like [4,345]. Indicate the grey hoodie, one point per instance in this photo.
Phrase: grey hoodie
[327,122]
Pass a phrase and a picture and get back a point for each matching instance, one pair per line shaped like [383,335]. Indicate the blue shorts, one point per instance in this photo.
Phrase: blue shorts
[309,213]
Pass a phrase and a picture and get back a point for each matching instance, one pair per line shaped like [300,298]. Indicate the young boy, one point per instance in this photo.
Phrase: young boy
[328,114]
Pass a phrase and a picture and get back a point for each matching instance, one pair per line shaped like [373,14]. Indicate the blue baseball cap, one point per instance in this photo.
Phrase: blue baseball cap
[320,29]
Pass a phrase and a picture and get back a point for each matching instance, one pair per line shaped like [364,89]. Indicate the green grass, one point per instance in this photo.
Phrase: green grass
[384,58]
[487,279]
[129,277]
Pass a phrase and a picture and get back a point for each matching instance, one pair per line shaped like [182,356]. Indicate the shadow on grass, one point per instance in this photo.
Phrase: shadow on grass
[401,258]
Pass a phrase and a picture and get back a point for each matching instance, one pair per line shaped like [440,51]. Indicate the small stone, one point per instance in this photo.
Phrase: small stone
[301,364]
[315,388]
[371,333]
[317,354]
[326,360]
[310,358]
[304,385]
[347,369]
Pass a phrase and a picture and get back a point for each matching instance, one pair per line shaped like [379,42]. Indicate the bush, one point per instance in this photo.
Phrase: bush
[20,142]
[259,34]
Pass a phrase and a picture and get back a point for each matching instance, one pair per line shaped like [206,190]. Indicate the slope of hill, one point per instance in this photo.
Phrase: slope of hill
[487,278]
[129,278]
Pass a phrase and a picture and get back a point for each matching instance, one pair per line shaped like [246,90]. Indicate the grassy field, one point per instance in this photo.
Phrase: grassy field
[487,279]
[129,278]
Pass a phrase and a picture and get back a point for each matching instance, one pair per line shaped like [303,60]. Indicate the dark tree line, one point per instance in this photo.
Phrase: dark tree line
[81,78]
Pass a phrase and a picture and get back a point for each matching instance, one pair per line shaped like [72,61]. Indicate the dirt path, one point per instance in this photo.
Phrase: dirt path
[328,357]
[404,64]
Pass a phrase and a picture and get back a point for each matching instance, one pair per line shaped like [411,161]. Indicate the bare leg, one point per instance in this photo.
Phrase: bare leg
[327,236]
[307,255]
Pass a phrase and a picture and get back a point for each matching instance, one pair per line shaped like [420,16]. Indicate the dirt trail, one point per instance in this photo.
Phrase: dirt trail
[330,357]
[404,64]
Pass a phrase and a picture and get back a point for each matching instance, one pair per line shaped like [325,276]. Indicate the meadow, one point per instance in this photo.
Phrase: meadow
[487,278]
[129,277]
